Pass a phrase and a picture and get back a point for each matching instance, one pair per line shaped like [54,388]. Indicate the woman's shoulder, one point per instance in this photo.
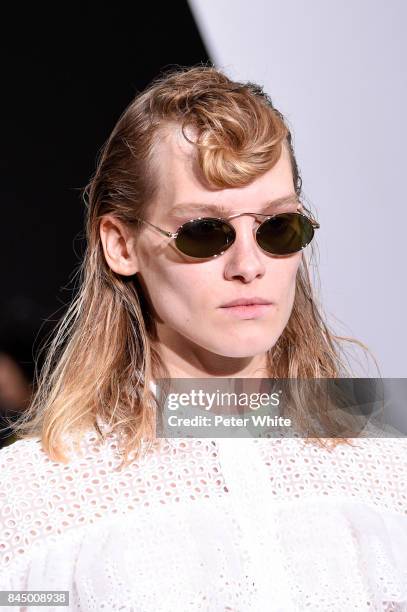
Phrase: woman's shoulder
[28,469]
[370,471]
[43,501]
[21,462]
[30,477]
[27,460]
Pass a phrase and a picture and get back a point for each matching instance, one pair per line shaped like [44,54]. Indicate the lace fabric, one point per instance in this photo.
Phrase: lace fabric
[216,525]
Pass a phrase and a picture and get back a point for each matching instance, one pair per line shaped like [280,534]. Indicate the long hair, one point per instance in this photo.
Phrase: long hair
[101,360]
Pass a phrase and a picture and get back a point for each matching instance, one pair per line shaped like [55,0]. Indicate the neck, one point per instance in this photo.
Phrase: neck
[196,362]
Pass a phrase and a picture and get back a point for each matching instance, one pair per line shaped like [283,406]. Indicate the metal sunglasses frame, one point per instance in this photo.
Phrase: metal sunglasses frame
[174,235]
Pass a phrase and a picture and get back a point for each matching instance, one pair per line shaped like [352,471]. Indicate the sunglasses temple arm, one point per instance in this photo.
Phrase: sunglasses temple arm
[315,224]
[169,234]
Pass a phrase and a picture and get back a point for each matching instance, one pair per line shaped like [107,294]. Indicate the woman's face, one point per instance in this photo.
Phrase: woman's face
[188,296]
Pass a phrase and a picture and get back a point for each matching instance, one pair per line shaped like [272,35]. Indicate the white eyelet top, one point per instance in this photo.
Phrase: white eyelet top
[210,525]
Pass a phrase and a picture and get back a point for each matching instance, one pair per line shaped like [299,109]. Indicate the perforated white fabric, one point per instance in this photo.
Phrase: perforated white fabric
[209,525]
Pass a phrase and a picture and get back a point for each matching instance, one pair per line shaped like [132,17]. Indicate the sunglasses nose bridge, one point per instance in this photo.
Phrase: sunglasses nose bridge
[254,228]
[251,214]
[256,216]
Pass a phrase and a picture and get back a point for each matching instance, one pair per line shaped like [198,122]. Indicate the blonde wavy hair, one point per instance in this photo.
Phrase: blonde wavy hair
[101,360]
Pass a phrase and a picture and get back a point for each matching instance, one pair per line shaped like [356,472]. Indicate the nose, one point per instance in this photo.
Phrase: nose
[244,259]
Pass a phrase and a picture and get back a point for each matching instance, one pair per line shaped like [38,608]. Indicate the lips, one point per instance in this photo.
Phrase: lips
[246,302]
[247,310]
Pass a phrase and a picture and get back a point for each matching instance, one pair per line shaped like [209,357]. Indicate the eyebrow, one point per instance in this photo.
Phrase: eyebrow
[182,210]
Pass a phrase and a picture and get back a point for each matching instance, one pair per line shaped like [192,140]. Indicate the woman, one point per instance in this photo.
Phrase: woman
[91,501]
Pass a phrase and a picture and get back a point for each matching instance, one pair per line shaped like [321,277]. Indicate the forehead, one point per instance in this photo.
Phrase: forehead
[176,161]
[182,183]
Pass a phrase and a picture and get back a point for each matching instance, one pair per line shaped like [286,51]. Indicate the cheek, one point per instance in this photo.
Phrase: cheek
[174,290]
[292,283]
[284,274]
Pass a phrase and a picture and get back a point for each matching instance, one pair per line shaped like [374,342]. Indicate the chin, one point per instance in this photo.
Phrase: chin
[240,351]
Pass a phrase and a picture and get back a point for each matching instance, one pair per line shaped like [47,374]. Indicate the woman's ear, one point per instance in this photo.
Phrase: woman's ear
[118,242]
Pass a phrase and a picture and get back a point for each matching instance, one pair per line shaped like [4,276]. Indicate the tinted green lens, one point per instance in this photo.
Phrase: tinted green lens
[205,237]
[285,233]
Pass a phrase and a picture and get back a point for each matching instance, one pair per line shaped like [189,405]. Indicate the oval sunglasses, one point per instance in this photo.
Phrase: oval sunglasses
[207,237]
